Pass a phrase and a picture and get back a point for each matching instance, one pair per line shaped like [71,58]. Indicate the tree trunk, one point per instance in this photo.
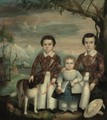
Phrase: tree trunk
[102,41]
[105,36]
[105,40]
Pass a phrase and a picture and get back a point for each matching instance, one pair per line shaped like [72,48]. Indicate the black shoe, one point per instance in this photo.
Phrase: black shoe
[61,112]
[51,111]
[41,110]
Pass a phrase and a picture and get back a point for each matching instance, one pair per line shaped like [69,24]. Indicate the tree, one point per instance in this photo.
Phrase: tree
[29,4]
[85,8]
[5,38]
[96,13]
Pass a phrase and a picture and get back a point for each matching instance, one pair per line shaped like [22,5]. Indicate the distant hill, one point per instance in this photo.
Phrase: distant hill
[14,50]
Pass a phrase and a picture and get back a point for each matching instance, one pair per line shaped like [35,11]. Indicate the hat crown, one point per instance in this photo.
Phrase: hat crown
[91,107]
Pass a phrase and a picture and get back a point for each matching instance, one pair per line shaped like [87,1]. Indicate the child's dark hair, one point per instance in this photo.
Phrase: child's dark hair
[69,57]
[89,35]
[48,37]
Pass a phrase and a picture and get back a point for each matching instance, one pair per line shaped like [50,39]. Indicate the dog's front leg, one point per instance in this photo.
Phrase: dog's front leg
[35,105]
[20,100]
[25,106]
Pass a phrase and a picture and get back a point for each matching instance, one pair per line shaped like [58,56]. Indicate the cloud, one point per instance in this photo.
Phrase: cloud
[68,30]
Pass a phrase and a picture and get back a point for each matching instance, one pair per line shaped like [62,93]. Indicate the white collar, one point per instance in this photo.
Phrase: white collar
[92,53]
[51,54]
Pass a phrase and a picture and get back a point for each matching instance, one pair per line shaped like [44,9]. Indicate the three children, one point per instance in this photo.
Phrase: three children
[69,80]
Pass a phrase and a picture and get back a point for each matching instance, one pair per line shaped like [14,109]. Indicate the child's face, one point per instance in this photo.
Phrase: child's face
[69,64]
[89,44]
[48,45]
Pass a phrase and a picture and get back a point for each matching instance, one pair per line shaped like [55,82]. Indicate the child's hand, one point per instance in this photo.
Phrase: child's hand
[63,69]
[92,85]
[86,76]
[72,84]
[59,89]
[53,80]
[75,81]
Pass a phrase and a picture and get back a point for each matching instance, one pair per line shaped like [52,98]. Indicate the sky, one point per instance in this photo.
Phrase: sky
[8,1]
[28,27]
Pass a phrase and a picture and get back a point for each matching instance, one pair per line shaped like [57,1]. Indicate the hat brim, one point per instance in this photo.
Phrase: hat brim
[95,109]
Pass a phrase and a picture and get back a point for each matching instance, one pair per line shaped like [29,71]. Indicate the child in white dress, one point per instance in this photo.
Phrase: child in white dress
[69,86]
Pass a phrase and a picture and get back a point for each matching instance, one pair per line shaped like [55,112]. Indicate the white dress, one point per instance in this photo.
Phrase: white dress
[64,78]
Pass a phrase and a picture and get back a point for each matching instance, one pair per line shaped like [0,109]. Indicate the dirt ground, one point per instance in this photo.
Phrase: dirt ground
[10,111]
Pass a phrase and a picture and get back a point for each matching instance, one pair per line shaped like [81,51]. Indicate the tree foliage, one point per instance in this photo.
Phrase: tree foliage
[35,4]
[74,6]
[85,8]
[5,36]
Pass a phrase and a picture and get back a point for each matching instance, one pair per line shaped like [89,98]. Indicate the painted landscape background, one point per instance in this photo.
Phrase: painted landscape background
[27,27]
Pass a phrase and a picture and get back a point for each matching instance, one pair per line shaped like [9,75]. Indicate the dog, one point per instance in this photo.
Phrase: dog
[25,93]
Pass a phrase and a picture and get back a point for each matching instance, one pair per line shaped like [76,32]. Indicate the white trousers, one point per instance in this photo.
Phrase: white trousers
[84,101]
[45,92]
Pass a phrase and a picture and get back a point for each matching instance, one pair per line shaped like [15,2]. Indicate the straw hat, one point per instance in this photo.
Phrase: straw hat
[93,108]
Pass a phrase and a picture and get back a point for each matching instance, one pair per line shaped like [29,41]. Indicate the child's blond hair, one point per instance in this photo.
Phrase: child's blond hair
[69,57]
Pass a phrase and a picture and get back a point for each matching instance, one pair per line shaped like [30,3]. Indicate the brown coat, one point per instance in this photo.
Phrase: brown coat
[42,64]
[94,65]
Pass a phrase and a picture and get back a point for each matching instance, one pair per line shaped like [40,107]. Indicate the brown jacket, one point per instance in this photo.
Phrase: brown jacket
[42,64]
[94,65]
